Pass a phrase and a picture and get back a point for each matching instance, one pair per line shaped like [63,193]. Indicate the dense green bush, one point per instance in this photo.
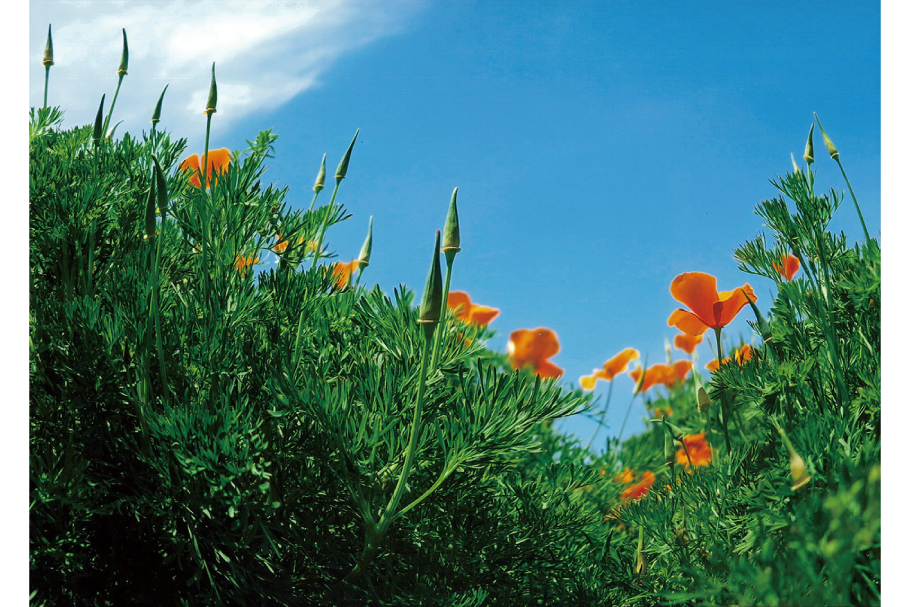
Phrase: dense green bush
[201,434]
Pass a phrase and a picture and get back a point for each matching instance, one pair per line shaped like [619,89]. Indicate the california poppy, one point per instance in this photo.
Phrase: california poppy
[472,313]
[699,451]
[342,272]
[741,355]
[611,368]
[639,489]
[687,343]
[668,375]
[219,160]
[625,476]
[788,266]
[244,261]
[534,347]
[709,309]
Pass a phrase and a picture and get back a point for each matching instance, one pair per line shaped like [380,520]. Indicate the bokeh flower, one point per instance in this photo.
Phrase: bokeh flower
[533,347]
[788,266]
[626,476]
[218,161]
[460,303]
[687,343]
[244,261]
[667,375]
[740,356]
[342,272]
[611,368]
[699,451]
[709,309]
[639,489]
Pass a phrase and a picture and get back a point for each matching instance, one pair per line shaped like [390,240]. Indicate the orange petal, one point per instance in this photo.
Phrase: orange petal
[681,368]
[587,382]
[618,363]
[483,315]
[528,346]
[729,304]
[699,292]
[687,343]
[744,354]
[460,303]
[547,369]
[625,476]
[191,165]
[218,162]
[687,322]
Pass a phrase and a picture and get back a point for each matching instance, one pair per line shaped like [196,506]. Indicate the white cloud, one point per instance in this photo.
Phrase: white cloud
[266,52]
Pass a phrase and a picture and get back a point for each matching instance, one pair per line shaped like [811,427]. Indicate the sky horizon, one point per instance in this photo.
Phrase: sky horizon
[600,149]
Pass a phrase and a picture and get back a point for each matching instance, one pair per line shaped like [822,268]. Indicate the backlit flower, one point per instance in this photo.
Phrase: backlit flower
[741,355]
[668,375]
[472,313]
[342,271]
[626,476]
[788,266]
[687,343]
[533,347]
[709,309]
[218,161]
[699,451]
[244,261]
[639,489]
[611,368]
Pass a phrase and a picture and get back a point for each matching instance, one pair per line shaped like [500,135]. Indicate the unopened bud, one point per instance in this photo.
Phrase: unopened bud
[798,472]
[451,239]
[795,166]
[809,154]
[342,169]
[110,132]
[763,327]
[49,49]
[124,57]
[211,104]
[828,143]
[98,130]
[431,303]
[320,178]
[364,259]
[156,115]
[161,185]
[703,401]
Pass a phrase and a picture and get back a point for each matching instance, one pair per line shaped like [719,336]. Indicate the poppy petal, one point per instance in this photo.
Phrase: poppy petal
[546,369]
[460,303]
[687,343]
[687,322]
[618,363]
[698,291]
[483,315]
[730,303]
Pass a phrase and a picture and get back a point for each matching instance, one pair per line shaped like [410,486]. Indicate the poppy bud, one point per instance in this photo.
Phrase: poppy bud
[431,303]
[364,259]
[156,115]
[669,450]
[703,401]
[110,132]
[763,327]
[162,187]
[98,130]
[809,155]
[213,95]
[828,143]
[124,57]
[342,169]
[451,239]
[674,431]
[795,166]
[150,210]
[798,472]
[320,178]
[49,49]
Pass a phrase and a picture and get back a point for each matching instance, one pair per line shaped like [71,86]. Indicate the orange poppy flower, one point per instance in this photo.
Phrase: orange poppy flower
[658,412]
[611,368]
[639,489]
[534,347]
[219,160]
[699,451]
[687,343]
[709,309]
[677,372]
[468,312]
[624,477]
[668,375]
[244,261]
[282,245]
[741,356]
[788,266]
[342,272]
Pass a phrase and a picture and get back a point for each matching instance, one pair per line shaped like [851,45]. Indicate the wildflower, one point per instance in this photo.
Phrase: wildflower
[218,161]
[709,309]
[699,451]
[741,356]
[611,368]
[668,375]
[676,373]
[788,266]
[462,308]
[626,476]
[244,261]
[687,343]
[658,412]
[342,272]
[639,489]
[534,347]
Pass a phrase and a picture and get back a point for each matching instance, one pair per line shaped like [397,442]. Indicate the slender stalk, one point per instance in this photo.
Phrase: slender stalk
[47,74]
[204,214]
[723,399]
[626,418]
[450,260]
[325,222]
[110,112]
[603,415]
[855,202]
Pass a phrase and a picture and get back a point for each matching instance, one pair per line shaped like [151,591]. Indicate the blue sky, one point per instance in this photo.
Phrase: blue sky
[600,148]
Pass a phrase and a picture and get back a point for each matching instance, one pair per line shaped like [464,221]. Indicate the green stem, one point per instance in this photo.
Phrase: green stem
[855,202]
[626,418]
[450,259]
[110,112]
[603,416]
[204,215]
[315,195]
[157,314]
[723,399]
[325,222]
[47,74]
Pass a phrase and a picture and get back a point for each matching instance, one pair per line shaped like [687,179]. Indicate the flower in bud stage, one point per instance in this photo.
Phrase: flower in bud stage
[364,259]
[828,143]
[98,129]
[49,49]
[156,115]
[451,239]
[431,302]
[320,178]
[342,169]
[798,472]
[124,57]
[809,154]
[210,105]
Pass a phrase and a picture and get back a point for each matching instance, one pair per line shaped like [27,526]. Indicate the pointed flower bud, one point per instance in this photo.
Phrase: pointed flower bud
[763,327]
[342,169]
[161,186]
[211,104]
[156,115]
[798,472]
[49,49]
[451,239]
[701,395]
[795,166]
[110,131]
[124,57]
[320,178]
[828,143]
[98,130]
[364,259]
[809,155]
[431,303]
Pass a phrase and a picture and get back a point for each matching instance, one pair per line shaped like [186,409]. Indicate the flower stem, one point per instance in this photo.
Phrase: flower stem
[110,111]
[723,399]
[450,260]
[47,74]
[603,416]
[324,226]
[855,202]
